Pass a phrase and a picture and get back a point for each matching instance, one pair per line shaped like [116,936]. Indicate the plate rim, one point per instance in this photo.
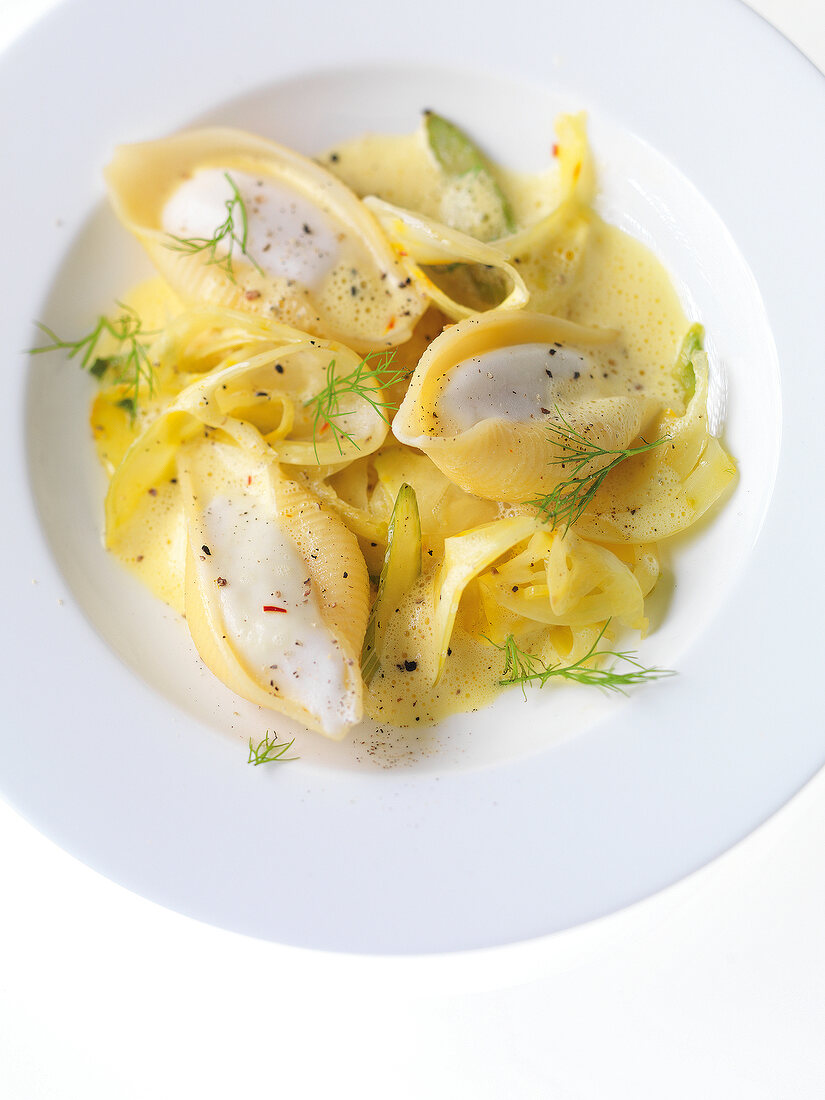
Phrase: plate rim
[16,771]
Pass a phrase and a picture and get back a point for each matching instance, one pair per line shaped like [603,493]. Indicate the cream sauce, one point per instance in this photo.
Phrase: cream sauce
[400,169]
[401,691]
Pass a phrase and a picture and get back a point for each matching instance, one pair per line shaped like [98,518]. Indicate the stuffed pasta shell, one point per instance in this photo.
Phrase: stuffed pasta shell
[233,220]
[489,392]
[277,594]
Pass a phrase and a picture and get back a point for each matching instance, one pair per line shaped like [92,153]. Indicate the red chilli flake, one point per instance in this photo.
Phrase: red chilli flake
[249,479]
[555,150]
[271,607]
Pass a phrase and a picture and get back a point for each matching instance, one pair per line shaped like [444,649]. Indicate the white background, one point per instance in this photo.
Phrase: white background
[714,989]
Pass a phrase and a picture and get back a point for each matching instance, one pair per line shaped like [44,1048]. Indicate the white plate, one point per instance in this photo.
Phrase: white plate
[525,818]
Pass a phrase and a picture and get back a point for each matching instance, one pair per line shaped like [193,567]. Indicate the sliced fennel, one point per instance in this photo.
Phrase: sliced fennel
[424,244]
[465,556]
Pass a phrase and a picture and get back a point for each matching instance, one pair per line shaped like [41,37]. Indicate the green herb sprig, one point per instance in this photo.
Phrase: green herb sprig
[526,668]
[267,751]
[132,363]
[566,502]
[326,405]
[228,234]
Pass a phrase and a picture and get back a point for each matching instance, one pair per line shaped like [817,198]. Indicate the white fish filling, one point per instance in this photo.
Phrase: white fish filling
[287,235]
[522,383]
[255,568]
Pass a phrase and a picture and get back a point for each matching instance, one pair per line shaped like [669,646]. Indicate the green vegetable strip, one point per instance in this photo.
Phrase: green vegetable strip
[402,568]
[451,147]
[683,370]
[457,156]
